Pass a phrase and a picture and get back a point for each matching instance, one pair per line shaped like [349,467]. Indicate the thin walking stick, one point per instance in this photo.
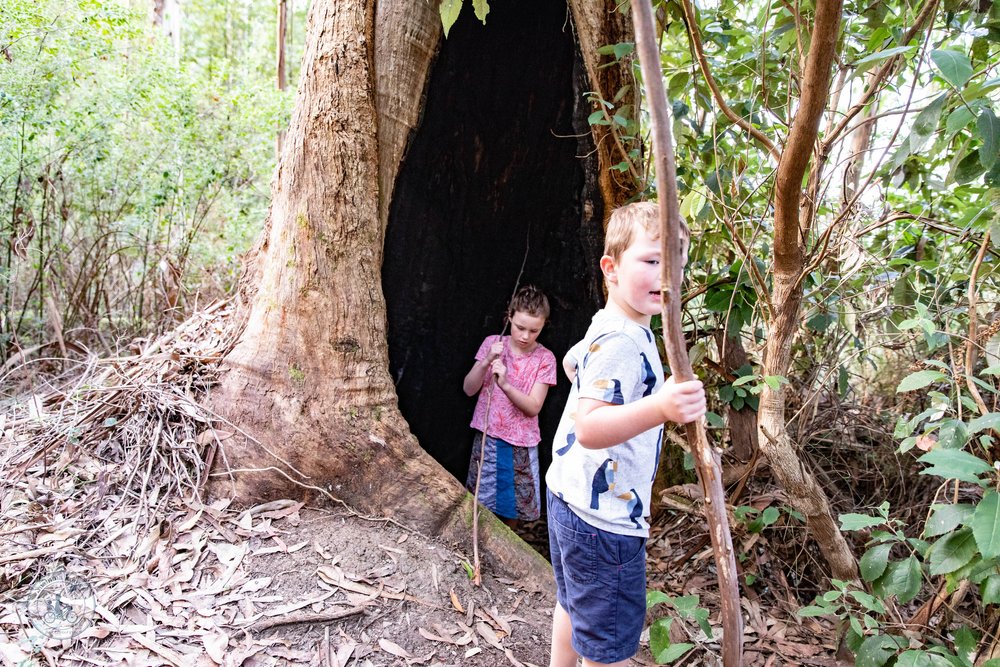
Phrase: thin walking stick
[706,458]
[477,578]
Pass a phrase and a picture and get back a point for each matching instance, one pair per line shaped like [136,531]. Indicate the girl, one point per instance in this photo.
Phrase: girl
[518,371]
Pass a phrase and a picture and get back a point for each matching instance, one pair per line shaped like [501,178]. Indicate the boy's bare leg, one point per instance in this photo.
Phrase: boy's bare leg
[563,654]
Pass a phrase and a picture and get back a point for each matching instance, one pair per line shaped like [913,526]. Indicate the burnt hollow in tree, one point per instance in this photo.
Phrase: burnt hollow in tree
[500,172]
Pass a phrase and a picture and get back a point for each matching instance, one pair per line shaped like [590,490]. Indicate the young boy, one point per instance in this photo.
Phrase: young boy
[606,451]
[520,371]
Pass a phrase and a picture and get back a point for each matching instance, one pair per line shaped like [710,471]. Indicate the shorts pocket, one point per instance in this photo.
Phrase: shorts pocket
[624,551]
[579,554]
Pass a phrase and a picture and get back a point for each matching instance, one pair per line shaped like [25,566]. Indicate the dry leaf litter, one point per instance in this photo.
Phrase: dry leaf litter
[110,556]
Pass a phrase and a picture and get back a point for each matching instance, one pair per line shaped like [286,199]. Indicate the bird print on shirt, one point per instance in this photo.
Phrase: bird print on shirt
[570,439]
[604,481]
[648,376]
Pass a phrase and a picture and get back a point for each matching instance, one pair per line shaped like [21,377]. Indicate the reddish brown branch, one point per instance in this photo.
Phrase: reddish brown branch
[788,257]
[970,345]
[695,36]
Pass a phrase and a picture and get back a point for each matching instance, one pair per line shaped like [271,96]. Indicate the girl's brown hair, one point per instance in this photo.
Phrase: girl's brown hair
[531,300]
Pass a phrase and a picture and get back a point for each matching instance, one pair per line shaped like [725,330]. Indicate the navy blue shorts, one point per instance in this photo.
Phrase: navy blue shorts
[600,582]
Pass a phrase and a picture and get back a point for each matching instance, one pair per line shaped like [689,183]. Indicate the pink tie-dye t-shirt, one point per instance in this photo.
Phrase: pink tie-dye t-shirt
[507,422]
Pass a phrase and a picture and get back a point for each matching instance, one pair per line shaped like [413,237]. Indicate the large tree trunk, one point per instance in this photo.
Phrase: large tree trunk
[308,378]
[307,384]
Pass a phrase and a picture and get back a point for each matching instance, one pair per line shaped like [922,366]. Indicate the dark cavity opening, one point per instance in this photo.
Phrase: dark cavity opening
[491,177]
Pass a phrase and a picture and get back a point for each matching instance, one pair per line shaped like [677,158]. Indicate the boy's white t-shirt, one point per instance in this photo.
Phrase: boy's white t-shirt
[610,488]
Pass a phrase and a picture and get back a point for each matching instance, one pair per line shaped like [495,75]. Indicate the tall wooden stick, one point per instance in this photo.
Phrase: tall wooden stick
[707,461]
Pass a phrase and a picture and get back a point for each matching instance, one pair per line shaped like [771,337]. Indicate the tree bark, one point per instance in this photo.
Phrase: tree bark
[307,383]
[743,422]
[407,38]
[804,494]
[598,23]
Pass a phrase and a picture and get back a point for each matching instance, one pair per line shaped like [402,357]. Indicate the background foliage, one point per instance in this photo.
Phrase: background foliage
[134,163]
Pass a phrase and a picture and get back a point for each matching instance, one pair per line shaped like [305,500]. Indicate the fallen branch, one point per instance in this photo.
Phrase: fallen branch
[294,619]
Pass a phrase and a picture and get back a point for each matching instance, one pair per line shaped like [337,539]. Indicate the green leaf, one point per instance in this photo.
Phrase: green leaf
[813,610]
[955,464]
[449,9]
[659,642]
[986,525]
[843,382]
[954,66]
[672,652]
[701,615]
[482,8]
[952,552]
[686,604]
[989,590]
[871,58]
[968,169]
[654,598]
[914,658]
[965,641]
[659,634]
[775,381]
[926,123]
[874,561]
[919,379]
[623,49]
[869,602]
[977,89]
[715,420]
[597,118]
[946,518]
[692,204]
[989,131]
[953,434]
[902,578]
[958,120]
[876,651]
[859,521]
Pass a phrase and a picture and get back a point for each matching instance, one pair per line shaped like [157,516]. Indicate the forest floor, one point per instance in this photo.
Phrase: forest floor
[281,584]
[108,555]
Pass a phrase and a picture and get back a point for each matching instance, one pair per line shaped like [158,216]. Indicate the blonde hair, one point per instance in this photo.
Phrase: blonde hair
[644,215]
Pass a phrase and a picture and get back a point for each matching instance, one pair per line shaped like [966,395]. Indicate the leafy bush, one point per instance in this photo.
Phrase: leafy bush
[131,179]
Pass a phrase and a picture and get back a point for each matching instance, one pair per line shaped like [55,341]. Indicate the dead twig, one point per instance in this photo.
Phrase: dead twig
[295,619]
